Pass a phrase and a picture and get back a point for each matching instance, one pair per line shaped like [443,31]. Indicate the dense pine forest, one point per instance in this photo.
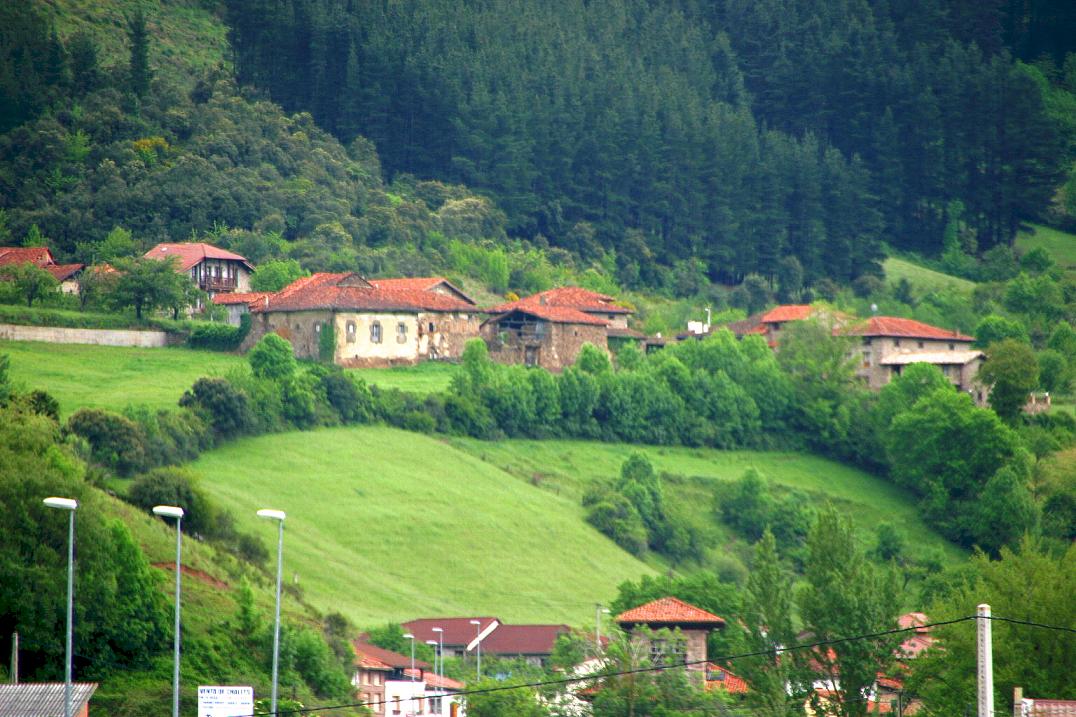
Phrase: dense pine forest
[728,133]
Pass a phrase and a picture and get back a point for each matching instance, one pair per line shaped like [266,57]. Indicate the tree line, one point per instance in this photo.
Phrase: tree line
[730,133]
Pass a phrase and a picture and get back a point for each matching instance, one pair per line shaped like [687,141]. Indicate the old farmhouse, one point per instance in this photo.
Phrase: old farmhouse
[693,624]
[212,269]
[367,324]
[66,274]
[549,328]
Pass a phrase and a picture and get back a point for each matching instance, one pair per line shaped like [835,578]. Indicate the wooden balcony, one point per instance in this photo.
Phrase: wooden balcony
[216,284]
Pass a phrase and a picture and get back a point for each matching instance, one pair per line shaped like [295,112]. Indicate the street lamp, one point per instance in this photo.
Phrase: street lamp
[598,612]
[70,506]
[478,648]
[440,649]
[411,637]
[172,511]
[278,516]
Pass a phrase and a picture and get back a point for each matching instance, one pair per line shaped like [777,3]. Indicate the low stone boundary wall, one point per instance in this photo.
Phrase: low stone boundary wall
[98,337]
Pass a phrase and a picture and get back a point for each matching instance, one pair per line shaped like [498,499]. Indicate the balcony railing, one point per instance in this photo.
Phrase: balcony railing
[215,283]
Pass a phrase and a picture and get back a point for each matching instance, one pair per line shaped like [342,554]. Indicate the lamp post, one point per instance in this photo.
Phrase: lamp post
[70,506]
[433,644]
[172,511]
[411,637]
[478,648]
[598,611]
[278,516]
[440,649]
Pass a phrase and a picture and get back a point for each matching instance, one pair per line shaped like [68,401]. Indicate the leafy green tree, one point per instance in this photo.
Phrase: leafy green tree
[226,408]
[272,358]
[593,360]
[844,595]
[114,440]
[994,328]
[1055,373]
[147,284]
[31,281]
[1012,373]
[176,486]
[900,394]
[95,286]
[522,702]
[778,682]
[1063,339]
[746,505]
[1006,510]
[117,244]
[34,237]
[274,275]
[1030,582]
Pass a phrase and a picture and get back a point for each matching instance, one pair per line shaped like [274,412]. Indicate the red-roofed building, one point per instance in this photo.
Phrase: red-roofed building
[238,303]
[719,678]
[890,343]
[459,635]
[1034,707]
[381,323]
[66,274]
[533,643]
[212,269]
[436,284]
[669,613]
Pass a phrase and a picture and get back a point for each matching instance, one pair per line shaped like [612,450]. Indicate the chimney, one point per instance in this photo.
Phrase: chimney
[541,299]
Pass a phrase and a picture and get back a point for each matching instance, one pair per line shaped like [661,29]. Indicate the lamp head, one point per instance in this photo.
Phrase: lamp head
[437,629]
[61,503]
[432,642]
[476,622]
[269,514]
[408,636]
[168,511]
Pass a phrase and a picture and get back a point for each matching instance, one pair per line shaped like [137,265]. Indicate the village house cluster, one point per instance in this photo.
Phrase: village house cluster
[359,322]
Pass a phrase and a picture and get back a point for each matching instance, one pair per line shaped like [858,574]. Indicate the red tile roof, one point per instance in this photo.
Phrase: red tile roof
[669,611]
[38,255]
[350,292]
[572,297]
[420,283]
[439,682]
[235,297]
[191,254]
[372,657]
[458,630]
[787,312]
[892,326]
[719,678]
[523,639]
[62,272]
[553,314]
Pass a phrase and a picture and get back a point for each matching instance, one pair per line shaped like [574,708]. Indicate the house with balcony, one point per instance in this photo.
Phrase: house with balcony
[212,269]
[650,624]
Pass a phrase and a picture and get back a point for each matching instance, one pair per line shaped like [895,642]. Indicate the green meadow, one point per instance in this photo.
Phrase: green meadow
[1058,244]
[388,525]
[922,279]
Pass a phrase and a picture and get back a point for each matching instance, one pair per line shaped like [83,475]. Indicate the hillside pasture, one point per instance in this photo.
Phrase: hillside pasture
[1058,244]
[922,279]
[698,476]
[389,525]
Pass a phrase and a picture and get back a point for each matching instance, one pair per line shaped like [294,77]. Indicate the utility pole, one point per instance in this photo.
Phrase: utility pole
[15,658]
[985,662]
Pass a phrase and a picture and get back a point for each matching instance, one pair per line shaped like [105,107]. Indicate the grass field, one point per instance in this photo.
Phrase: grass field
[567,467]
[389,525]
[109,376]
[115,377]
[1060,245]
[922,279]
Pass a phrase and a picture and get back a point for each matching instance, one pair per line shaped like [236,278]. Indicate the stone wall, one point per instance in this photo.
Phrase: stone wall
[96,337]
[554,348]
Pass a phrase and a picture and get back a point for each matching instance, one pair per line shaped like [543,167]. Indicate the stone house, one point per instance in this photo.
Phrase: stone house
[45,699]
[693,623]
[368,325]
[546,336]
[236,304]
[212,269]
[66,274]
[889,344]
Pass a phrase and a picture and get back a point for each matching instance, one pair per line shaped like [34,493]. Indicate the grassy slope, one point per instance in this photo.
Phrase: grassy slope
[112,377]
[385,524]
[922,279]
[1060,245]
[187,37]
[567,467]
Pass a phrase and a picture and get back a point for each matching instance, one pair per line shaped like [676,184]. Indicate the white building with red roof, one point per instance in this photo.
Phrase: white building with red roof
[393,685]
[212,269]
[367,323]
[66,274]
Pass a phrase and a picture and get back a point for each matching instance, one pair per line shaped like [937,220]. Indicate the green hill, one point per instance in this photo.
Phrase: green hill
[1058,244]
[921,278]
[385,524]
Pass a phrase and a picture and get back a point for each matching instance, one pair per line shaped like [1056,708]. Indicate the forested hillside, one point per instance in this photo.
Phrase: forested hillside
[729,133]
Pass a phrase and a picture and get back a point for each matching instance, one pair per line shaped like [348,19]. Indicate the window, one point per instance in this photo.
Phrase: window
[866,359]
[401,333]
[530,356]
[431,327]
[350,331]
[435,705]
[920,344]
[896,342]
[375,332]
[395,705]
[952,347]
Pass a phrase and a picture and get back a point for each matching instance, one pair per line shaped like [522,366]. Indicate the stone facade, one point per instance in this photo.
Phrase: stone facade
[370,339]
[551,345]
[882,358]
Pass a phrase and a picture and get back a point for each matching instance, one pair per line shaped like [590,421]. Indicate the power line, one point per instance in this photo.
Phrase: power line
[1015,621]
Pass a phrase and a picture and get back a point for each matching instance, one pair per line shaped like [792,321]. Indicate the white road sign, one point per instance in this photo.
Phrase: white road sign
[225,701]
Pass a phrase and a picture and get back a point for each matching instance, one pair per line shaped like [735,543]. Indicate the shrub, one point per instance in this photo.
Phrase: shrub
[171,437]
[327,342]
[272,358]
[115,441]
[298,400]
[227,408]
[219,337]
[175,486]
[615,516]
[350,399]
